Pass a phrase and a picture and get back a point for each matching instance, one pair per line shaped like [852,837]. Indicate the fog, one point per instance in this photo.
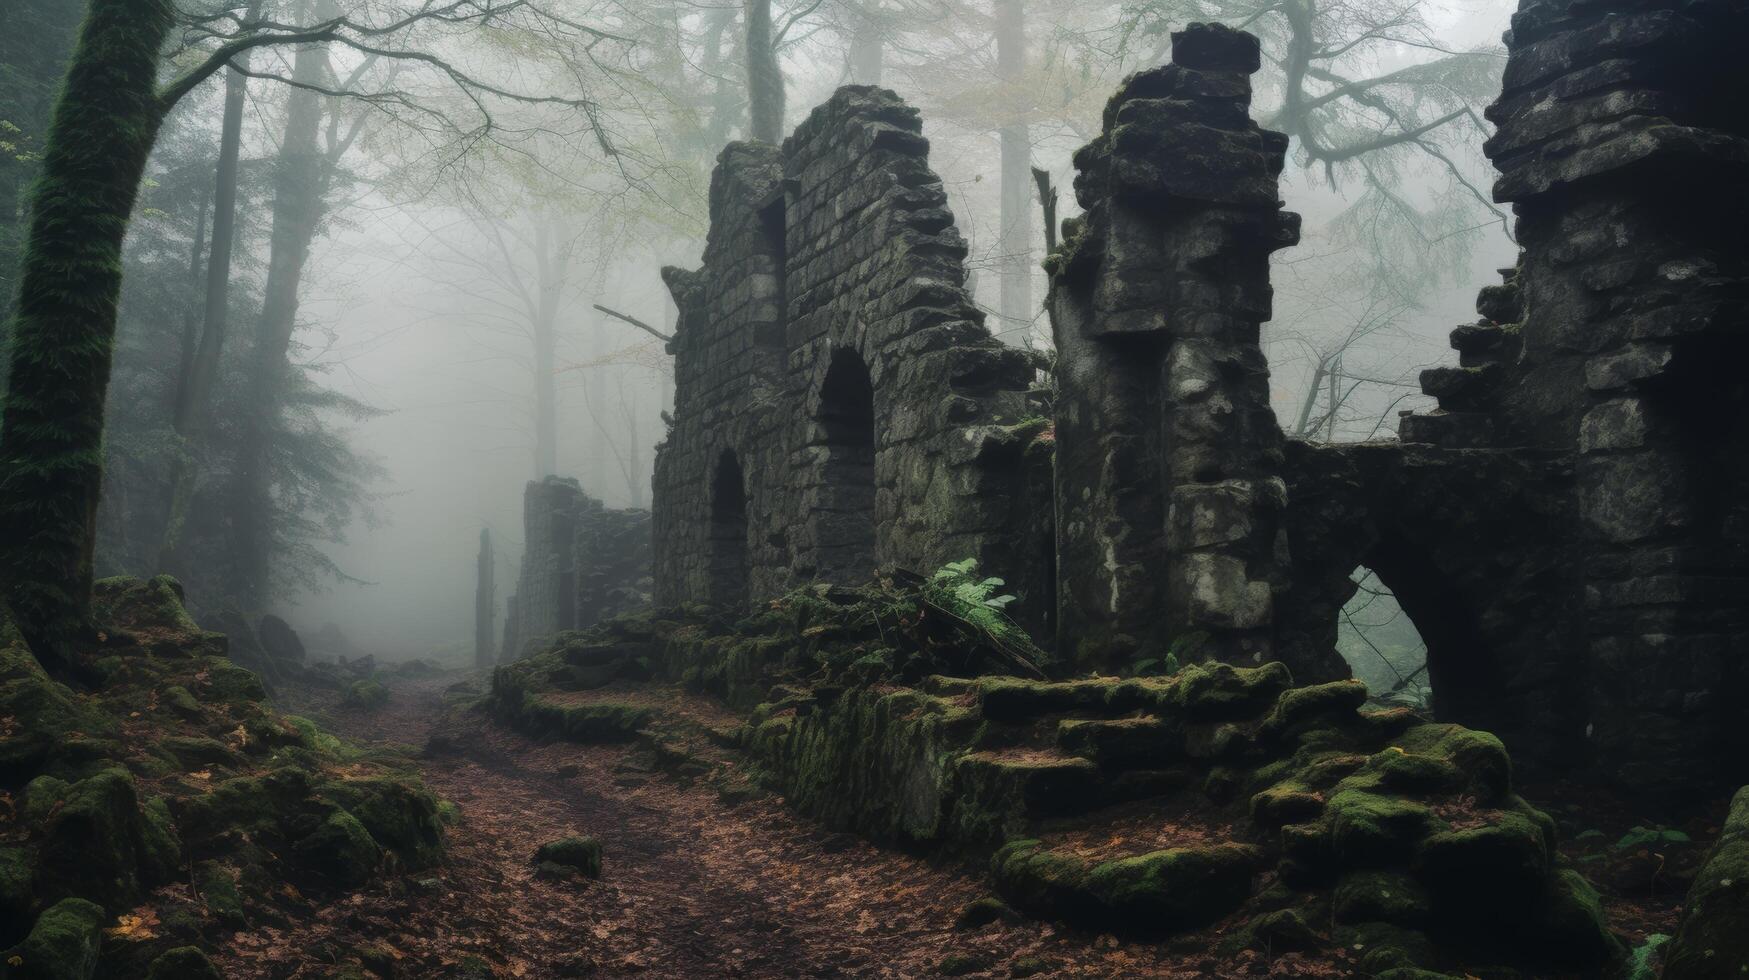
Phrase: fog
[419,302]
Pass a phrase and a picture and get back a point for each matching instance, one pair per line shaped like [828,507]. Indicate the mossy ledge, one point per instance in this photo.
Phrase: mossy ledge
[1319,820]
[158,761]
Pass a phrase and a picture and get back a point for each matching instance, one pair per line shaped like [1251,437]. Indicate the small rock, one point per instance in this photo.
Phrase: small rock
[580,853]
[983,912]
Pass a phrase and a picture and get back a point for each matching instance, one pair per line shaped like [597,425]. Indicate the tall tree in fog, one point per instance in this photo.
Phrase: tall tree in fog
[304,172]
[36,38]
[103,128]
[194,389]
[764,76]
[1014,244]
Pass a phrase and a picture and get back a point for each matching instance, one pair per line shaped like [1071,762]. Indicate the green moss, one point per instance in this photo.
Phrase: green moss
[17,881]
[1221,692]
[1381,896]
[178,701]
[63,944]
[1501,863]
[1149,893]
[366,694]
[1570,929]
[981,912]
[42,796]
[1712,934]
[92,847]
[582,854]
[1368,829]
[200,753]
[1030,966]
[160,846]
[961,964]
[1409,772]
[400,816]
[1479,756]
[218,889]
[183,963]
[1285,803]
[341,849]
[1301,707]
[1280,931]
[44,713]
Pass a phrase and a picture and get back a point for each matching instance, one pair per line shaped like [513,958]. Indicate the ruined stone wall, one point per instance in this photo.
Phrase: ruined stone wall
[1592,437]
[582,562]
[1168,455]
[840,407]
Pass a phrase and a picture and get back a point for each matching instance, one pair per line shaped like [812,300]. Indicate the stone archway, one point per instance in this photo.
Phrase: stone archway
[844,517]
[728,533]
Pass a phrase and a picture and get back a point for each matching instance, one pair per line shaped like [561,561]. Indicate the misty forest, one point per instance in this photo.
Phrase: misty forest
[874,488]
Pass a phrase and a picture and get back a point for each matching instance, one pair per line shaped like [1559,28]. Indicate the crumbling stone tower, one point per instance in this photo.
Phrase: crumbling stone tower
[1168,477]
[1623,145]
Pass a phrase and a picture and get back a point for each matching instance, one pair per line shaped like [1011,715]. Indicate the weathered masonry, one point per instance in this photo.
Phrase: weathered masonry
[1567,530]
[582,562]
[839,405]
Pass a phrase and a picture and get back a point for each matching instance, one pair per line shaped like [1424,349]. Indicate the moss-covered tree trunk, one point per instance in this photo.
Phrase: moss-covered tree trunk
[51,436]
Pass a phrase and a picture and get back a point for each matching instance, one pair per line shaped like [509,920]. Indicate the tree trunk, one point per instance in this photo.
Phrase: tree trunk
[195,389]
[191,315]
[550,269]
[301,179]
[867,46]
[764,76]
[36,38]
[51,449]
[485,601]
[1014,242]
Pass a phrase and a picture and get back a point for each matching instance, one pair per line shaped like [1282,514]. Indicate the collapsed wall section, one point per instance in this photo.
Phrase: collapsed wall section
[582,563]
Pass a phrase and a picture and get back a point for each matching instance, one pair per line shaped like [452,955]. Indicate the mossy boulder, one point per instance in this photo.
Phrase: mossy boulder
[401,816]
[1381,896]
[183,963]
[1151,893]
[365,694]
[581,854]
[1369,829]
[1713,939]
[62,945]
[102,844]
[341,849]
[41,714]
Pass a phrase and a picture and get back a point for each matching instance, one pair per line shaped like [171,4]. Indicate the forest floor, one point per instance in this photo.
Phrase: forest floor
[695,883]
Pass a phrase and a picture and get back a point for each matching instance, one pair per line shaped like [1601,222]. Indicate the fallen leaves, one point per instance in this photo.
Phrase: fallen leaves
[134,926]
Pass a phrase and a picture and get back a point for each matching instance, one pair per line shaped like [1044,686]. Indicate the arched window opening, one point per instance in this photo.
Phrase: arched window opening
[1381,644]
[728,533]
[844,519]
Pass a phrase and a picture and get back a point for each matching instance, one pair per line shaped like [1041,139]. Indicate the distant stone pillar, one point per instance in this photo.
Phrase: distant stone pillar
[1169,489]
[485,600]
[1623,146]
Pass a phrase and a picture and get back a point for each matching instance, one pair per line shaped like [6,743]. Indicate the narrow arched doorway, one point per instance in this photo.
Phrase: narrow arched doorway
[844,521]
[728,533]
[1378,639]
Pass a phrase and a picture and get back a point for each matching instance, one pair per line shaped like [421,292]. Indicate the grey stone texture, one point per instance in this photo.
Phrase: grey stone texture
[1568,528]
[1593,435]
[582,563]
[840,407]
[1169,459]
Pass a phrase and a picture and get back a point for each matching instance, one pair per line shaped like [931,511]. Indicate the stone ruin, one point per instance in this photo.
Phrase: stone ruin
[1565,530]
[582,563]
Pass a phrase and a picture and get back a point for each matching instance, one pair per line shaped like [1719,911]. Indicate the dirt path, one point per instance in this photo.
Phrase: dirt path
[692,886]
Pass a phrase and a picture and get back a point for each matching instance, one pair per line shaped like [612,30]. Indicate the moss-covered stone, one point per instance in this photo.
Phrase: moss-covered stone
[1030,966]
[1713,939]
[1301,707]
[1503,861]
[183,963]
[981,912]
[1479,756]
[1150,893]
[582,854]
[218,890]
[17,887]
[93,845]
[400,816]
[1369,829]
[1221,692]
[1285,803]
[365,694]
[341,849]
[43,712]
[63,944]
[1117,743]
[1381,896]
[964,964]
